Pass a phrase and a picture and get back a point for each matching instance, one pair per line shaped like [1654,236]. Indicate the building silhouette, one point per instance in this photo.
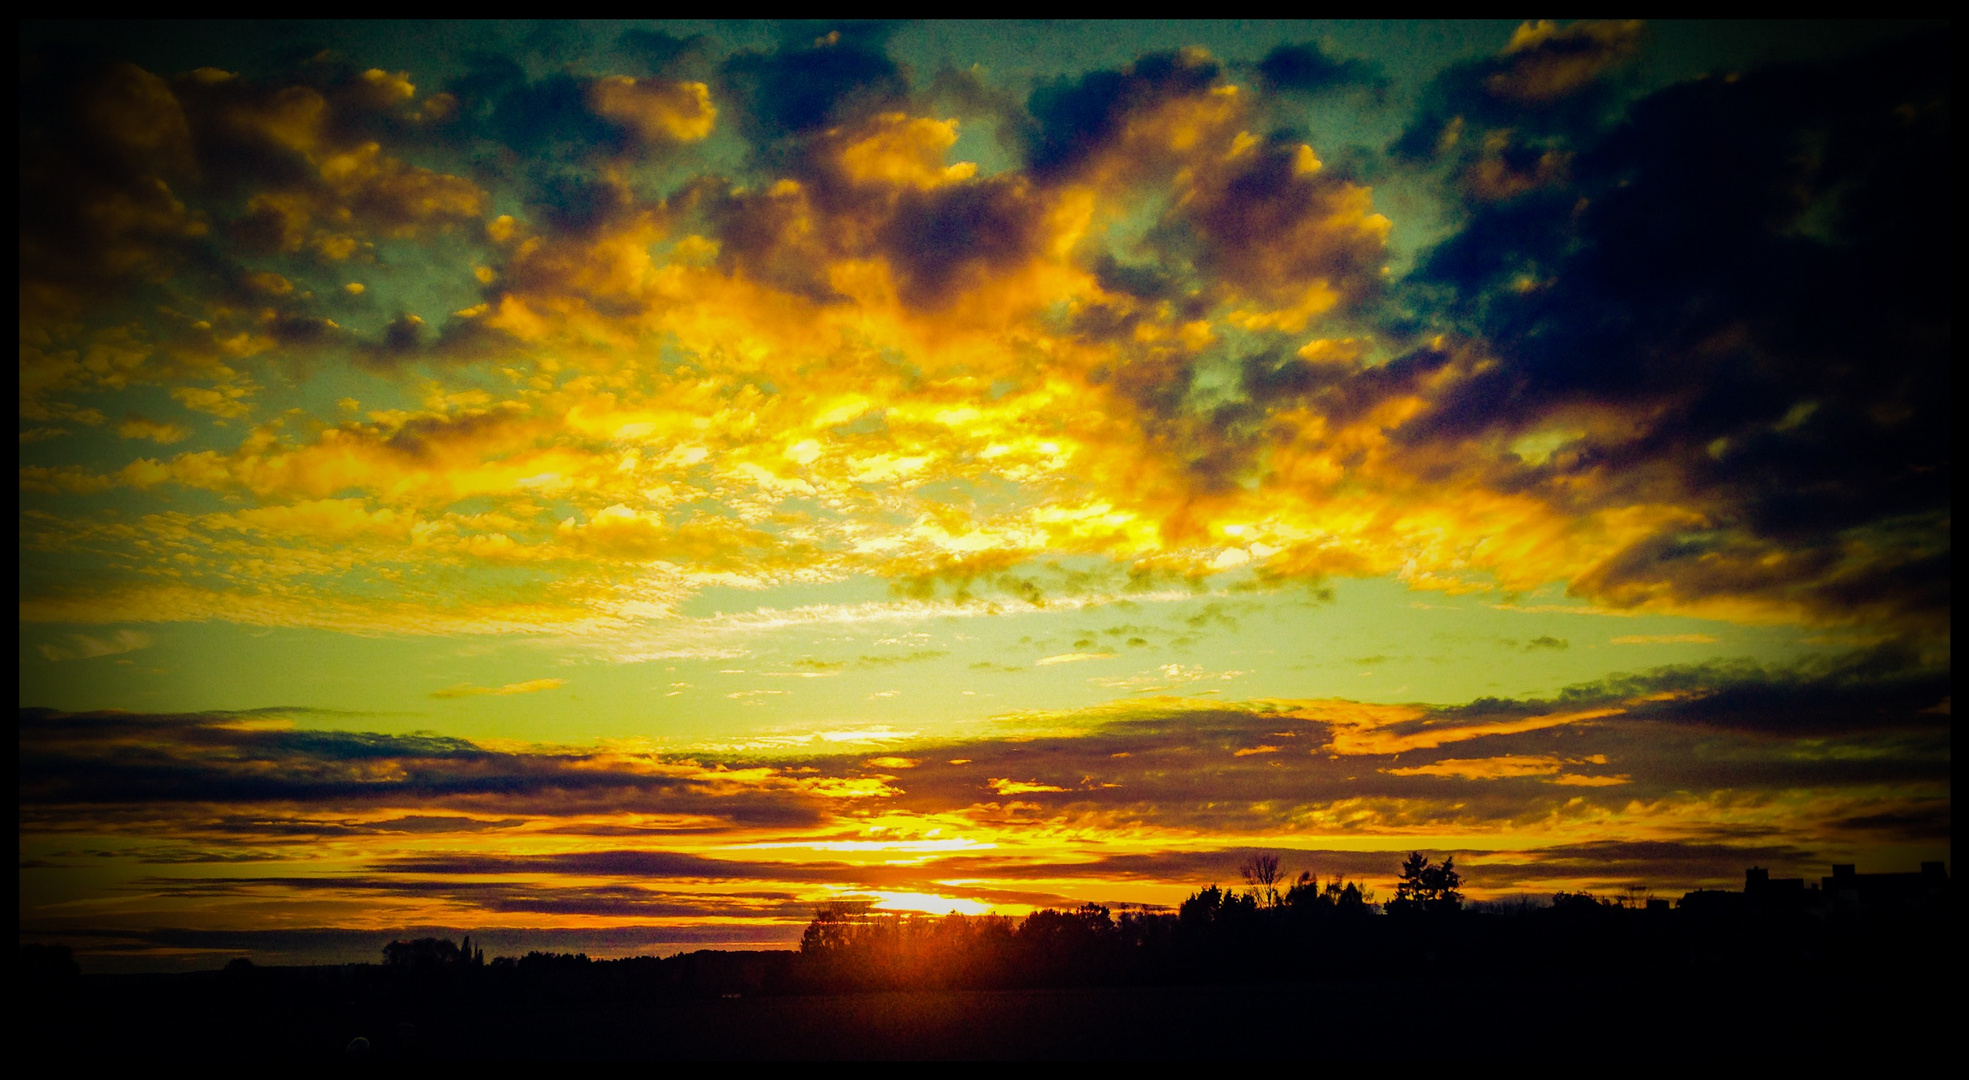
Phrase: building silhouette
[1845,890]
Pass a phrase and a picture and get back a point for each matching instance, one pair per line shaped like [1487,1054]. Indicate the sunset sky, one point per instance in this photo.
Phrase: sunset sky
[617,486]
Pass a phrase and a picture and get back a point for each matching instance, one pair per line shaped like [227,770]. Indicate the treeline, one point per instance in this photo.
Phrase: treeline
[1215,934]
[1274,929]
[1572,967]
[1303,929]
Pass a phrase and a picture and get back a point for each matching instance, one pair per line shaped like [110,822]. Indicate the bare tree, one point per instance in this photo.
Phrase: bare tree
[1263,874]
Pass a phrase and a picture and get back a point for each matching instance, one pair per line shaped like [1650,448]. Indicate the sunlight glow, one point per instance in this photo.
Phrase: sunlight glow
[930,904]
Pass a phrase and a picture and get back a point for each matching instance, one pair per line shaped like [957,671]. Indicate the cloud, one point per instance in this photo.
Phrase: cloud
[656,111]
[1612,863]
[1496,768]
[861,326]
[1428,736]
[1798,419]
[84,647]
[1544,62]
[1547,78]
[746,321]
[914,657]
[222,758]
[497,899]
[958,237]
[136,427]
[134,180]
[835,77]
[1663,639]
[1071,658]
[1309,69]
[1078,122]
[530,686]
[1271,221]
[1695,771]
[1020,787]
[662,50]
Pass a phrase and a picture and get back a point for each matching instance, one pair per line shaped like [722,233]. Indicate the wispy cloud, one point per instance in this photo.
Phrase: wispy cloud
[1132,792]
[1072,658]
[530,686]
[85,647]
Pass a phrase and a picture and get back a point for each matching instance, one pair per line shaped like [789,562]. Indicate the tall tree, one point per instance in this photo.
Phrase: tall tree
[1426,886]
[1263,874]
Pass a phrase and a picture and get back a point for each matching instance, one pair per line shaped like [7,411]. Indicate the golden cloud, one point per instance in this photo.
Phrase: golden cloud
[531,686]
[1020,787]
[1365,739]
[792,375]
[1510,766]
[655,110]
[137,427]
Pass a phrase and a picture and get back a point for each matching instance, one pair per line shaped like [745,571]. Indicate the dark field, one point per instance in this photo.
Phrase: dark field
[1580,1020]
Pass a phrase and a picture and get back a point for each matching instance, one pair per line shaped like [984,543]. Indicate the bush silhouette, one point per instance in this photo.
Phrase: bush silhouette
[432,953]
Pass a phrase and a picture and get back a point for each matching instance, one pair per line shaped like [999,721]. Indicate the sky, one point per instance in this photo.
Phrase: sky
[614,487]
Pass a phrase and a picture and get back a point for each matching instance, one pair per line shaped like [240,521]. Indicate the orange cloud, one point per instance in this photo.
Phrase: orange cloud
[1020,787]
[1497,768]
[1383,741]
[1577,780]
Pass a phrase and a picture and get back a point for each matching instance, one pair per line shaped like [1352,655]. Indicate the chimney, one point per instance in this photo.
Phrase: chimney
[1842,874]
[1756,878]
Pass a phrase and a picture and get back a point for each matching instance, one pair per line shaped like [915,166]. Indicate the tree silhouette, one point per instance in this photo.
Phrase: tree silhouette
[1443,885]
[432,952]
[1202,908]
[1304,893]
[1409,890]
[831,930]
[1426,886]
[1262,873]
[48,964]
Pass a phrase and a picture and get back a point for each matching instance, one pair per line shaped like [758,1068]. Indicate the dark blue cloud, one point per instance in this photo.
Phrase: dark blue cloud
[804,87]
[1550,85]
[1747,267]
[122,759]
[662,53]
[1310,70]
[1075,119]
